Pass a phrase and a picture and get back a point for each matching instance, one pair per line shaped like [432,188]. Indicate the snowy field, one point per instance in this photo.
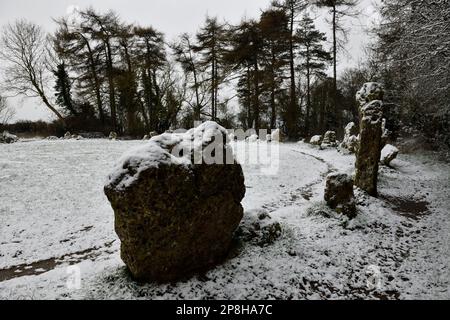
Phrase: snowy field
[54,219]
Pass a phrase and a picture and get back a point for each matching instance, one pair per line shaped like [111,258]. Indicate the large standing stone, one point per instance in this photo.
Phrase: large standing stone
[174,214]
[369,149]
[339,194]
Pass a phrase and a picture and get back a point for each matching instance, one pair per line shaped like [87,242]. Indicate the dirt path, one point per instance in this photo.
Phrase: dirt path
[43,266]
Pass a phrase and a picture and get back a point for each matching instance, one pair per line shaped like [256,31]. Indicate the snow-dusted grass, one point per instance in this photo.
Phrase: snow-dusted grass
[53,213]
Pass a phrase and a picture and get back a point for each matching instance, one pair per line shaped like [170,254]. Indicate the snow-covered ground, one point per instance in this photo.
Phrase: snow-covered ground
[56,221]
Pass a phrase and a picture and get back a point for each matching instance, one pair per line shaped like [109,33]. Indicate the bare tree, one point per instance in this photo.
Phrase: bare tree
[24,49]
[6,112]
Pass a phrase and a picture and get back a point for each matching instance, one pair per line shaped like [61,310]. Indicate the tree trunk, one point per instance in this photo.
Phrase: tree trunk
[308,97]
[335,95]
[197,109]
[249,106]
[256,96]
[213,90]
[112,90]
[292,113]
[47,103]
[96,80]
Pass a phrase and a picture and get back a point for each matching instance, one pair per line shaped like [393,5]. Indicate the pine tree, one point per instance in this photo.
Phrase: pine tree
[103,28]
[63,88]
[292,8]
[315,58]
[245,56]
[211,44]
[274,26]
[73,45]
[151,58]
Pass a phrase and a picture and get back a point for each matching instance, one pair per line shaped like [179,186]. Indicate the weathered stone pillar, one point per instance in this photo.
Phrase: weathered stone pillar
[370,142]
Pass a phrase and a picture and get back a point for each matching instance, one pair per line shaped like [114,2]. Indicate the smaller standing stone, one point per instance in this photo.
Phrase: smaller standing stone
[388,154]
[329,139]
[351,140]
[277,136]
[316,140]
[68,135]
[351,129]
[153,134]
[339,194]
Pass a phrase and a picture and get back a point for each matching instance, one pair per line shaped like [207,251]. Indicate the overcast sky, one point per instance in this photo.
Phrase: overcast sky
[169,16]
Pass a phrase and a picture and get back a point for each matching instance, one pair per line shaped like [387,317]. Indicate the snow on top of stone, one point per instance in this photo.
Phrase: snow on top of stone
[388,150]
[339,177]
[168,149]
[373,111]
[370,91]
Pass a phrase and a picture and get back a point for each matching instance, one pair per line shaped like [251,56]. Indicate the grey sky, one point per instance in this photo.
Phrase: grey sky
[169,16]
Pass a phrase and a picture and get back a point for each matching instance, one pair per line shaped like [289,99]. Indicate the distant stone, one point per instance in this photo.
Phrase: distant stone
[174,214]
[351,129]
[153,134]
[253,138]
[52,138]
[8,138]
[351,140]
[146,137]
[316,140]
[112,135]
[388,154]
[329,140]
[92,135]
[68,135]
[352,144]
[385,133]
[278,136]
[339,194]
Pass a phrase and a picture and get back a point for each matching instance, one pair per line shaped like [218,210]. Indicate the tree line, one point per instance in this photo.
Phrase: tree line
[111,75]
